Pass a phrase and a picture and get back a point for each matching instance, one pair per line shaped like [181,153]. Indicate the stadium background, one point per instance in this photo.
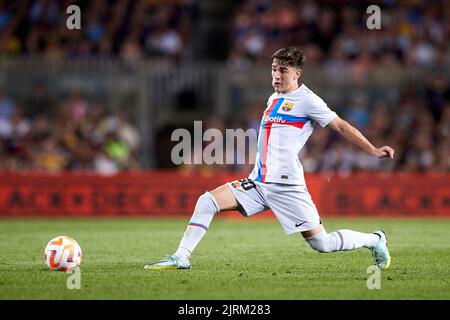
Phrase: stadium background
[105,99]
[86,118]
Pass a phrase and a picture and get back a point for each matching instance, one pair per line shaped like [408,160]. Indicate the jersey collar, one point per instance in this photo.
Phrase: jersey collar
[295,91]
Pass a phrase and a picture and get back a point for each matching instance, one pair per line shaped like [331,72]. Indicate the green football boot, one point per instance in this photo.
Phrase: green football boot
[380,251]
[170,263]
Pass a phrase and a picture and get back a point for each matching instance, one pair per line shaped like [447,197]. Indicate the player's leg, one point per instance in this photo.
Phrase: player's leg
[344,240]
[208,204]
[339,240]
[296,212]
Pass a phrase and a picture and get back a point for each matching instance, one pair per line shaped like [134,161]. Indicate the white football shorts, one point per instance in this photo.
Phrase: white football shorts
[291,204]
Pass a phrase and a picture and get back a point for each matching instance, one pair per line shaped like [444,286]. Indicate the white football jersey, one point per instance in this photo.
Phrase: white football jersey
[286,125]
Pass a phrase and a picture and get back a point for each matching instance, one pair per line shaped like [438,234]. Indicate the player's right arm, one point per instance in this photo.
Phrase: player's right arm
[354,135]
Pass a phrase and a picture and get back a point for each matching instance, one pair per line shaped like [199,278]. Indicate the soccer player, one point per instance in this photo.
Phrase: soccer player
[277,180]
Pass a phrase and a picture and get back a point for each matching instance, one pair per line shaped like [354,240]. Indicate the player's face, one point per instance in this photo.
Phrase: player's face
[284,77]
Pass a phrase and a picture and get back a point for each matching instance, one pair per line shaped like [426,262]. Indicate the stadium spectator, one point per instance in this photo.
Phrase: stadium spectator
[7,106]
[39,101]
[357,112]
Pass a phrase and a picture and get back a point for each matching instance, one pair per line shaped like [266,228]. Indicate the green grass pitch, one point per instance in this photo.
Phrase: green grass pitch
[238,259]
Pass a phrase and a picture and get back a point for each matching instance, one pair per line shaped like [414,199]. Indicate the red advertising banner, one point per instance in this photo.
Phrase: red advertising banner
[170,193]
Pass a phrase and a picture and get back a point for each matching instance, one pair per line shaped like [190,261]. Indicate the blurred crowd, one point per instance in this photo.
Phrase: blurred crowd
[64,134]
[44,132]
[418,128]
[414,32]
[130,29]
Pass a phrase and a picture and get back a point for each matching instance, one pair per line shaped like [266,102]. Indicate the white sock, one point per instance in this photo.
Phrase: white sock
[350,240]
[341,240]
[204,212]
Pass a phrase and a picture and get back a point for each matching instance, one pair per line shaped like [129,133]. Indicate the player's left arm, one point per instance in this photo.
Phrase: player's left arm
[354,135]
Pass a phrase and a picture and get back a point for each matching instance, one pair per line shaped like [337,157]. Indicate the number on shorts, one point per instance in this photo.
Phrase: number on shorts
[247,184]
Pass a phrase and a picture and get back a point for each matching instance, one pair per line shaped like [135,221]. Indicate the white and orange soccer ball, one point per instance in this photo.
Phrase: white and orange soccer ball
[63,253]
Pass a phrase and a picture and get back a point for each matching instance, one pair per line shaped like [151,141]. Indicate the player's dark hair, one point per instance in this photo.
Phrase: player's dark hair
[292,56]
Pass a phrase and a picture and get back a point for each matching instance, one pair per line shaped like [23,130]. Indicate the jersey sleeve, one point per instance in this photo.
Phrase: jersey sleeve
[319,111]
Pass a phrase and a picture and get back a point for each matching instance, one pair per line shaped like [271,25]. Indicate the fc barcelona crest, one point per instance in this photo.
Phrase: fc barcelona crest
[236,184]
[287,106]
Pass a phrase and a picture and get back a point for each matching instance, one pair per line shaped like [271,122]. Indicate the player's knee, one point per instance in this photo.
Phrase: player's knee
[206,203]
[320,242]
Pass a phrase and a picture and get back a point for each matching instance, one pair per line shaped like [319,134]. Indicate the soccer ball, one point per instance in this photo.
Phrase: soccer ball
[62,253]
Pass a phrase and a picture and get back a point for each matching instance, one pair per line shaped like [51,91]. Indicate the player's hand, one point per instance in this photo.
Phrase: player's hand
[384,152]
